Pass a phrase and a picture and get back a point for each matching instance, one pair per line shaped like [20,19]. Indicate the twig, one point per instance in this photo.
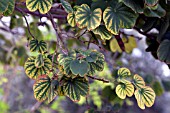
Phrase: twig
[58,37]
[26,22]
[100,79]
[35,107]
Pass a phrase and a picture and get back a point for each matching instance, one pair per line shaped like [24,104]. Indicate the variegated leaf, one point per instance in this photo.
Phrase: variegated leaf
[71,19]
[39,46]
[124,72]
[10,8]
[75,88]
[145,96]
[42,5]
[66,6]
[39,61]
[124,89]
[33,72]
[103,32]
[138,81]
[119,16]
[87,18]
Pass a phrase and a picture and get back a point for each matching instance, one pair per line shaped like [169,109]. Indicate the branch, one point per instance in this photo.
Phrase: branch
[58,37]
[26,22]
[99,79]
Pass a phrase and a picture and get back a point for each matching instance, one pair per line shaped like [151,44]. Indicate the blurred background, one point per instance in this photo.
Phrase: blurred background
[16,93]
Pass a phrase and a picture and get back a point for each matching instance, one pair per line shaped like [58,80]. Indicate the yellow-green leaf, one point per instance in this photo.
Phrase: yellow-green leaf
[145,96]
[103,32]
[124,89]
[71,19]
[119,16]
[124,72]
[87,18]
[42,5]
[138,81]
[33,72]
[39,61]
[10,8]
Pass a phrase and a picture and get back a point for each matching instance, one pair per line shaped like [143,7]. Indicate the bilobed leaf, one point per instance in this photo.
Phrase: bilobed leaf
[103,32]
[87,18]
[41,88]
[71,19]
[119,16]
[33,72]
[158,12]
[42,5]
[151,2]
[39,46]
[164,51]
[10,8]
[138,81]
[67,6]
[75,88]
[124,72]
[39,61]
[79,67]
[145,96]
[135,5]
[124,89]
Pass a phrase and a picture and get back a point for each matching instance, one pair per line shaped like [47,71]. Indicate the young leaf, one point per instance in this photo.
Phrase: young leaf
[87,18]
[33,72]
[163,51]
[66,6]
[75,88]
[138,81]
[79,67]
[41,87]
[124,89]
[119,17]
[145,97]
[39,46]
[103,32]
[42,5]
[123,72]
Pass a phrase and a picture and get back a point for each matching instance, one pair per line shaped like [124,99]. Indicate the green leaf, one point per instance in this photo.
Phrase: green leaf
[42,5]
[103,32]
[117,17]
[41,87]
[39,61]
[33,72]
[158,12]
[66,65]
[75,88]
[39,46]
[79,67]
[92,57]
[145,97]
[52,92]
[124,89]
[105,3]
[87,18]
[138,81]
[4,5]
[135,5]
[10,8]
[124,72]
[151,2]
[66,6]
[71,19]
[157,87]
[164,51]
[166,85]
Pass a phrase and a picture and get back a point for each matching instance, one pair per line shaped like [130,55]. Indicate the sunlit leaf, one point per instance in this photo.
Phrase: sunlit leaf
[138,81]
[42,5]
[87,18]
[103,32]
[124,72]
[39,61]
[66,6]
[75,88]
[39,46]
[124,89]
[41,87]
[117,17]
[164,51]
[145,97]
[33,72]
[71,19]
[79,67]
